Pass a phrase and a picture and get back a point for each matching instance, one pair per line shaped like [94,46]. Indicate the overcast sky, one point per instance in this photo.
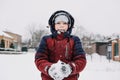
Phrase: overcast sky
[97,16]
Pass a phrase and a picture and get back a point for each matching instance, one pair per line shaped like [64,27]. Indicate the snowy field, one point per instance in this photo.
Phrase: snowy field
[22,67]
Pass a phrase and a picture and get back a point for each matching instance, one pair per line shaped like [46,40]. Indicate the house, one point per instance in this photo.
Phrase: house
[11,38]
[8,40]
[100,47]
[116,49]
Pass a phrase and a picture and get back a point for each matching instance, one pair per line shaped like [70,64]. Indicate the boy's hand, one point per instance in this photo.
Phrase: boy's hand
[55,73]
[59,70]
[66,69]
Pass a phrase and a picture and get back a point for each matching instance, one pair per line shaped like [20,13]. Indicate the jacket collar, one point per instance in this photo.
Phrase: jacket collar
[60,36]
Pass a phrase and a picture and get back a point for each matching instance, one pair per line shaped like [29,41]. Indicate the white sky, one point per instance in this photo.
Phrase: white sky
[97,16]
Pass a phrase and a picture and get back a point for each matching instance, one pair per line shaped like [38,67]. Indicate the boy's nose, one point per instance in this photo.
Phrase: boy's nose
[61,25]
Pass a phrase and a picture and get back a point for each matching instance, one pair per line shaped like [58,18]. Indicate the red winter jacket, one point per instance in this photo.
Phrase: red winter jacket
[67,49]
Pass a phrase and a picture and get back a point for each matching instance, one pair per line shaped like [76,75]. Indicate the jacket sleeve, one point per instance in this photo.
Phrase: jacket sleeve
[42,56]
[79,59]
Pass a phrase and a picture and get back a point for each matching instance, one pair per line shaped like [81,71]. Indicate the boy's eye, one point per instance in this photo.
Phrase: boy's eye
[64,23]
[58,23]
[61,23]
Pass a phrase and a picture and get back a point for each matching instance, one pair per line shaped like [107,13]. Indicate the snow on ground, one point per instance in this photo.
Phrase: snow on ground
[18,67]
[22,67]
[99,68]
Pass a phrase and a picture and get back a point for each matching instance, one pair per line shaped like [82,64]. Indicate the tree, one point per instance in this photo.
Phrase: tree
[36,33]
[36,37]
[12,45]
[2,43]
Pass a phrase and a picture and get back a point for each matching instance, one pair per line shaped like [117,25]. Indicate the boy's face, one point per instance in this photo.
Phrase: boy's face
[61,26]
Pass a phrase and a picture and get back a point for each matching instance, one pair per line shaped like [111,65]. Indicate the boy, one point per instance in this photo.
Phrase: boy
[60,56]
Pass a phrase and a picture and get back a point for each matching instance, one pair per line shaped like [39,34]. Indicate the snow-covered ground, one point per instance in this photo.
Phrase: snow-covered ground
[22,67]
[99,68]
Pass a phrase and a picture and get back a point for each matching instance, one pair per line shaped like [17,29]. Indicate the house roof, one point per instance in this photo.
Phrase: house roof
[6,35]
[11,33]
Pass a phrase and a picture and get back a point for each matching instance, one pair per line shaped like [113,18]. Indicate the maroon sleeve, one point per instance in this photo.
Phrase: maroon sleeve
[42,57]
[79,59]
[78,64]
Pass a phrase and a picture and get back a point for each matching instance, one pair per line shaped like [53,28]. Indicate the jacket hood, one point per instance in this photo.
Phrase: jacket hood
[51,22]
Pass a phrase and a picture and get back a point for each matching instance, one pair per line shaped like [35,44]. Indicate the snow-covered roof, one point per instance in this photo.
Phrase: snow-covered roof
[4,34]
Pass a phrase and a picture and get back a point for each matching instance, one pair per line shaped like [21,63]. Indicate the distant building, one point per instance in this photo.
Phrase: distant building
[110,49]
[7,40]
[116,49]
[100,48]
[11,38]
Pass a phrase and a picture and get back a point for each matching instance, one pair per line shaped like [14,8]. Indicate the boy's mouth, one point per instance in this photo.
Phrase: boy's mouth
[59,31]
